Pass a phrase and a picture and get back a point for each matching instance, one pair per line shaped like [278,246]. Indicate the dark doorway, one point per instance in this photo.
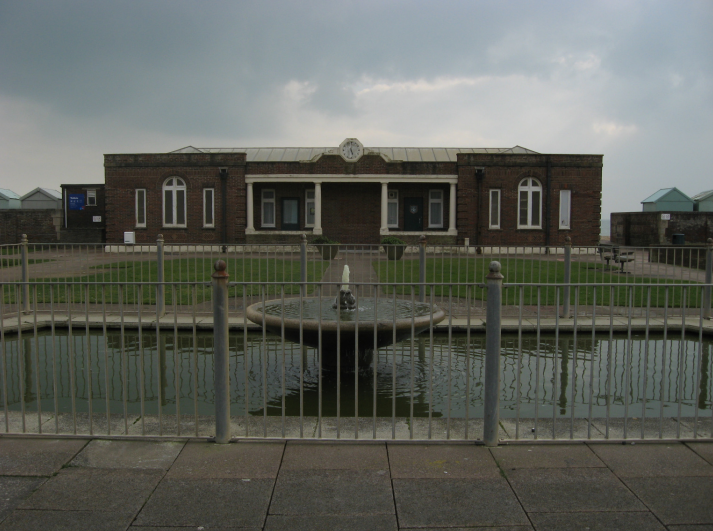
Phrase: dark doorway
[413,213]
[290,213]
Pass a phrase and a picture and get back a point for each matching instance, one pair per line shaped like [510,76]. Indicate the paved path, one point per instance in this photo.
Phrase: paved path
[161,485]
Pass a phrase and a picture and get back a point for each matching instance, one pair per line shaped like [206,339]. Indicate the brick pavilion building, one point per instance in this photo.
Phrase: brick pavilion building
[354,194]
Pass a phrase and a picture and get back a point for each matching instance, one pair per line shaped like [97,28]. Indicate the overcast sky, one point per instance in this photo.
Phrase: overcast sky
[630,80]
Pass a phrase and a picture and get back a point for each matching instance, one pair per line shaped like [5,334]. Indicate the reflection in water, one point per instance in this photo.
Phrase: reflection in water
[561,377]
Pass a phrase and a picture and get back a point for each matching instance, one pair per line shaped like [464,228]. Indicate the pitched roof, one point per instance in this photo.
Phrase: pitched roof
[703,196]
[52,194]
[294,154]
[663,193]
[8,194]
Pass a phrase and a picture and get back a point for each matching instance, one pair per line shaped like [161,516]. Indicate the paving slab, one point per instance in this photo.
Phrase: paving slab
[32,422]
[208,503]
[30,520]
[365,522]
[259,426]
[65,423]
[36,457]
[192,528]
[669,429]
[128,454]
[694,527]
[168,426]
[335,456]
[333,492]
[441,431]
[649,460]
[703,449]
[366,428]
[545,456]
[204,460]
[486,528]
[549,490]
[676,500]
[13,490]
[456,502]
[441,461]
[704,426]
[563,429]
[596,521]
[94,489]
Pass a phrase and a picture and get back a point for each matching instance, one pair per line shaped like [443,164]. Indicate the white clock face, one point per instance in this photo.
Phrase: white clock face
[351,150]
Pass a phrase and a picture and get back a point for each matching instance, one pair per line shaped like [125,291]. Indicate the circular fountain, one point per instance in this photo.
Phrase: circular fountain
[382,321]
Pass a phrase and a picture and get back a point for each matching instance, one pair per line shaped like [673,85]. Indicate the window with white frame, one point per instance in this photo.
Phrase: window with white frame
[174,202]
[435,209]
[309,208]
[530,204]
[208,207]
[140,207]
[91,198]
[565,209]
[268,208]
[392,209]
[494,221]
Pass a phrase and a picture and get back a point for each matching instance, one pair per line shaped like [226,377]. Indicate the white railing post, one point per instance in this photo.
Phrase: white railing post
[567,275]
[709,279]
[422,268]
[492,355]
[221,369]
[25,274]
[160,287]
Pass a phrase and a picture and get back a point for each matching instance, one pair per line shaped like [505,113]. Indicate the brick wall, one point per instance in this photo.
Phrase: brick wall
[125,174]
[351,212]
[41,226]
[582,174]
[84,219]
[647,228]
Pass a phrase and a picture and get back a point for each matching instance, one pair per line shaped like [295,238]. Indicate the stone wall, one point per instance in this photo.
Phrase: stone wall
[41,226]
[647,228]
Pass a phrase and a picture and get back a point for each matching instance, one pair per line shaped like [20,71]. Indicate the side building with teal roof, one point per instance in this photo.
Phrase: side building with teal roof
[668,200]
[9,200]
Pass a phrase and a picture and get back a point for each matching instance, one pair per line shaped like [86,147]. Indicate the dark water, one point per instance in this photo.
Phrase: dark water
[555,376]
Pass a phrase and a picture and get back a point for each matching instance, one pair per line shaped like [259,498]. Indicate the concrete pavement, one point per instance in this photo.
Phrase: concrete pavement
[151,485]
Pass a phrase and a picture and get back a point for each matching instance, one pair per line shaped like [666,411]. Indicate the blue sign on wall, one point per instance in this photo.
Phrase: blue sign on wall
[76,201]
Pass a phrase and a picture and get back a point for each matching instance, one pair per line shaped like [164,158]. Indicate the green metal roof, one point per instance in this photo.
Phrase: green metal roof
[663,193]
[294,154]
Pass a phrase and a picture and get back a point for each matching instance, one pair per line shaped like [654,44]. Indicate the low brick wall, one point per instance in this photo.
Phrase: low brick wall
[642,229]
[41,226]
[693,257]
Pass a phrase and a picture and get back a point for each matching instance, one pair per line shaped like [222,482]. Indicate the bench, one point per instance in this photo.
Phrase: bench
[611,252]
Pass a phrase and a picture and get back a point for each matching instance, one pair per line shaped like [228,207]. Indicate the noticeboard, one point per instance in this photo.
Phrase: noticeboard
[76,201]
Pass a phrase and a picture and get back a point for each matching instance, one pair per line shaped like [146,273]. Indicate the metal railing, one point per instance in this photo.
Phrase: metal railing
[62,264]
[107,358]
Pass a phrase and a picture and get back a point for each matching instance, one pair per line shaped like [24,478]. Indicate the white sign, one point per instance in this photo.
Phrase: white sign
[666,217]
[97,219]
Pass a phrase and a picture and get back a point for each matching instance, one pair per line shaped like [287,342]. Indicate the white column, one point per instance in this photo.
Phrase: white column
[250,229]
[384,208]
[317,209]
[452,211]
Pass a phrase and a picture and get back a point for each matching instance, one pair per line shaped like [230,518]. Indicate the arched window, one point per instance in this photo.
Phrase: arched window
[174,202]
[530,204]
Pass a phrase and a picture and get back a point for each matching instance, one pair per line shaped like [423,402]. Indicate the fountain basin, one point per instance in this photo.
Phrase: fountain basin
[400,316]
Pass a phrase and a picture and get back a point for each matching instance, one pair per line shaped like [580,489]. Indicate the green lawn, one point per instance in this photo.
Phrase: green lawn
[15,261]
[519,270]
[196,270]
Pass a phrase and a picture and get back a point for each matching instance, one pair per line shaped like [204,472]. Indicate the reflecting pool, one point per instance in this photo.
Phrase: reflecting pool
[555,376]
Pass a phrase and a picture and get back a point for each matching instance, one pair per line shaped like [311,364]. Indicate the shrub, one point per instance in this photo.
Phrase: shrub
[323,240]
[392,240]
